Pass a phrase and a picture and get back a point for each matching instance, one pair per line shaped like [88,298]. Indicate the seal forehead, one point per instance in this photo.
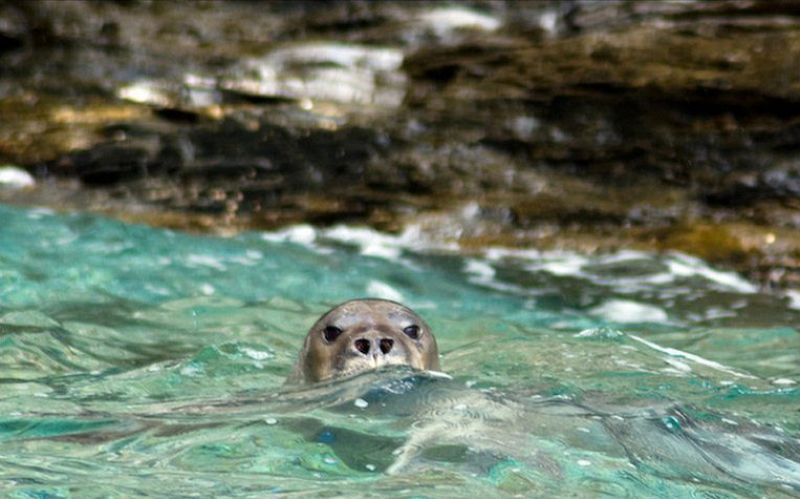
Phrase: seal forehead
[370,311]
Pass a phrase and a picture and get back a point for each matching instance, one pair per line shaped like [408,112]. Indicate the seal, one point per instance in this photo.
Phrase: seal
[362,335]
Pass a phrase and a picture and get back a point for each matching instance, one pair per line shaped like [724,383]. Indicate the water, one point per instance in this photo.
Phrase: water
[142,361]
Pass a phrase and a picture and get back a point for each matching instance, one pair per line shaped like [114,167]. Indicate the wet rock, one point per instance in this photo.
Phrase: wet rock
[711,242]
[569,124]
[782,184]
[345,73]
[13,31]
[108,164]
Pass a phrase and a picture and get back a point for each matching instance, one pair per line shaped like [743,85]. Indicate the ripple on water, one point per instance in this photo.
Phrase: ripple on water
[148,362]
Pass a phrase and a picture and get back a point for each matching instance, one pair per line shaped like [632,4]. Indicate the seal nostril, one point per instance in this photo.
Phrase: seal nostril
[386,345]
[362,346]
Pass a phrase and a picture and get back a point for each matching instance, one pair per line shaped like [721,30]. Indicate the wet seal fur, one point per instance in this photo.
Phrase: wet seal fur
[363,335]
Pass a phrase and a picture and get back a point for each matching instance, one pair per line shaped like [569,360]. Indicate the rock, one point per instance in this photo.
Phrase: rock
[590,125]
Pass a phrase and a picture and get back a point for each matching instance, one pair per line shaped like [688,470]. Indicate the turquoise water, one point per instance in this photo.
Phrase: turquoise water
[140,361]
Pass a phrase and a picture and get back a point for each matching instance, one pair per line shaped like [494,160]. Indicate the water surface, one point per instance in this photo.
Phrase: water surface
[143,361]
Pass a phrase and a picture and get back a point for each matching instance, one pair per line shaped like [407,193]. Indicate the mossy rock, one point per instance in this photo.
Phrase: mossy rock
[714,243]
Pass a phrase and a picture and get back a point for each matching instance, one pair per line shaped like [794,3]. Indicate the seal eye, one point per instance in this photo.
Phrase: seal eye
[331,333]
[412,332]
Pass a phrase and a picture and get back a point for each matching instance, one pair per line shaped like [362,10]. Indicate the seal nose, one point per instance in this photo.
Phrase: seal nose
[364,345]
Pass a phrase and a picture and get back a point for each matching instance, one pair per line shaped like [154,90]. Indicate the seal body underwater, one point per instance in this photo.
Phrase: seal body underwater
[362,335]
[491,428]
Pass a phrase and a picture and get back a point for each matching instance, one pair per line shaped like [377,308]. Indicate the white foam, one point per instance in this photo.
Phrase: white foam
[38,213]
[253,254]
[686,266]
[678,265]
[298,234]
[479,269]
[371,242]
[205,261]
[192,370]
[257,354]
[159,290]
[794,298]
[674,352]
[681,366]
[601,332]
[496,254]
[381,251]
[249,258]
[653,272]
[382,245]
[378,289]
[622,256]
[624,311]
[562,265]
[15,178]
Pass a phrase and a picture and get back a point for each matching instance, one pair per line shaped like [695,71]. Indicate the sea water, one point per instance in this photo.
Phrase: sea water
[142,361]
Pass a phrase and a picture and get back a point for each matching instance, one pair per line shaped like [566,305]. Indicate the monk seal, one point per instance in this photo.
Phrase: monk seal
[363,335]
[488,429]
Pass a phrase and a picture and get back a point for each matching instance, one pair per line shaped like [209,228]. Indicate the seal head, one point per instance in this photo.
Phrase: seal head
[362,335]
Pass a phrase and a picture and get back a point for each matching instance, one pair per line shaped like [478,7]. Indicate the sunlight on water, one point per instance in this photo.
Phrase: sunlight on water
[142,361]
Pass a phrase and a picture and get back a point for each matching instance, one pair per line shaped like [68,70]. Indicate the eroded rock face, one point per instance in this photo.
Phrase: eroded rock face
[580,124]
